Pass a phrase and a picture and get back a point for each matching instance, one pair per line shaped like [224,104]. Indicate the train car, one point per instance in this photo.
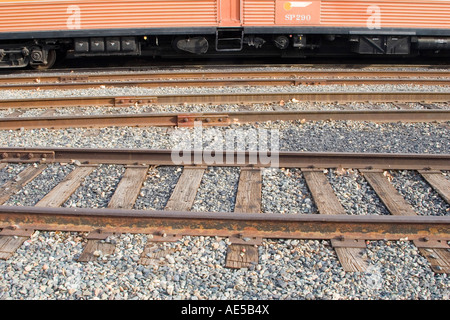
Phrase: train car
[32,32]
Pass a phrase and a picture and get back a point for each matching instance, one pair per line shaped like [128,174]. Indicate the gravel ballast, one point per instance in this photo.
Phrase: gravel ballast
[137,91]
[326,136]
[288,269]
[183,108]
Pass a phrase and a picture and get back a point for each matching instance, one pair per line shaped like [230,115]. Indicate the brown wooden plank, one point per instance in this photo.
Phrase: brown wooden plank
[184,193]
[397,205]
[248,197]
[129,187]
[322,192]
[9,245]
[241,256]
[327,203]
[58,195]
[15,184]
[94,249]
[392,199]
[439,259]
[439,183]
[352,259]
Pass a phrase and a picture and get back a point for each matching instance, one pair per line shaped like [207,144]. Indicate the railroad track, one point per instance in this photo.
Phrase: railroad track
[217,118]
[224,78]
[224,98]
[103,193]
[431,102]
[246,226]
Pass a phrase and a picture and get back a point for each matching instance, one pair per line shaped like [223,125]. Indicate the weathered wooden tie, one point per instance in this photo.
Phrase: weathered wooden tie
[184,193]
[10,239]
[349,251]
[59,194]
[438,182]
[181,199]
[243,251]
[129,187]
[16,113]
[437,255]
[14,185]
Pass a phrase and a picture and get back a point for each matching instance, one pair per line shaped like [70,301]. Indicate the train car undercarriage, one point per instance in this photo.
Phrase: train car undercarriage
[42,54]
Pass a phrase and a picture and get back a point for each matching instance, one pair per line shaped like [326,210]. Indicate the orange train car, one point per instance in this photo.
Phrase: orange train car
[33,31]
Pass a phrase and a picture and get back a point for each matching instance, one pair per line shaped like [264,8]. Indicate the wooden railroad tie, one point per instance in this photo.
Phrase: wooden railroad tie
[439,258]
[12,239]
[181,199]
[243,251]
[350,253]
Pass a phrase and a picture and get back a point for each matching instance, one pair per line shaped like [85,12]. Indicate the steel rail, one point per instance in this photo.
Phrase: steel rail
[288,159]
[220,83]
[222,98]
[205,74]
[267,225]
[163,67]
[219,119]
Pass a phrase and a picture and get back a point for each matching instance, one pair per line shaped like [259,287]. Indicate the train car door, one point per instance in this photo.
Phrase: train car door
[229,13]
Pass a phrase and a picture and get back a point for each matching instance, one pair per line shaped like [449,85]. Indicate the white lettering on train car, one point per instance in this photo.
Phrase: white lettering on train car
[374,21]
[74,20]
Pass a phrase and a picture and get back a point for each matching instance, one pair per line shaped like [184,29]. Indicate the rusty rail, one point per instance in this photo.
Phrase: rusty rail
[302,226]
[220,83]
[219,119]
[79,77]
[117,101]
[288,159]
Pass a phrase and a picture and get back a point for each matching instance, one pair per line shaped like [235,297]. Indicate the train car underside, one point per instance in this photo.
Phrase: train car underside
[34,33]
[42,53]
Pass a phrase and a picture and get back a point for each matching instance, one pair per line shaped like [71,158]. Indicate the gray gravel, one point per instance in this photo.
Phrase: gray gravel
[345,136]
[10,171]
[130,91]
[354,193]
[217,191]
[285,191]
[288,269]
[336,136]
[288,105]
[158,187]
[97,189]
[221,69]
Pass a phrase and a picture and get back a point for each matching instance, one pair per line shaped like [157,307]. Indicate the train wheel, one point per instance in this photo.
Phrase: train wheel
[51,59]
